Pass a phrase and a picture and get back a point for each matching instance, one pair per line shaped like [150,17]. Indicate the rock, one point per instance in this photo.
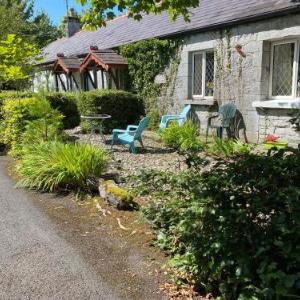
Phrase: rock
[116,196]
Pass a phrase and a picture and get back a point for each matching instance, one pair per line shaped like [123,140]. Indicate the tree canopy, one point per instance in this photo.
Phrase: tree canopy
[16,57]
[17,17]
[101,10]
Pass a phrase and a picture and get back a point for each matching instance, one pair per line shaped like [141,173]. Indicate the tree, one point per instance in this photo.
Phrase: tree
[12,18]
[16,57]
[17,17]
[42,30]
[101,10]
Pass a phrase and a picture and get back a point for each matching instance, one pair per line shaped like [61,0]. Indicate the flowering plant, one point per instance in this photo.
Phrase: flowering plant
[271,138]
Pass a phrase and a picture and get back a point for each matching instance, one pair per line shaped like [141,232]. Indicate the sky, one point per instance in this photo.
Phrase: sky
[56,9]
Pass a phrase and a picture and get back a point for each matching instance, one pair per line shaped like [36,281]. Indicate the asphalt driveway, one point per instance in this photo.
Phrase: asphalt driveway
[41,259]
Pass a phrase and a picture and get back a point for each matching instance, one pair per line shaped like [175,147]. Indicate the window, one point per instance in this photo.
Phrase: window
[285,71]
[203,74]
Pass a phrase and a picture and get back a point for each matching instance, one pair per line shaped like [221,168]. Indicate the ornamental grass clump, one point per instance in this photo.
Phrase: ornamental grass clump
[55,166]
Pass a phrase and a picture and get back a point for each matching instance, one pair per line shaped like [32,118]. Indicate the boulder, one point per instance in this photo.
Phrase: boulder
[115,195]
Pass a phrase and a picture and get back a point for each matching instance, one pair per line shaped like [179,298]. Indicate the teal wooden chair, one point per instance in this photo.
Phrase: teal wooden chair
[181,118]
[226,114]
[131,134]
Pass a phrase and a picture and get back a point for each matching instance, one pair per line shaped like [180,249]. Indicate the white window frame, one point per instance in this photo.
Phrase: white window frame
[203,53]
[296,42]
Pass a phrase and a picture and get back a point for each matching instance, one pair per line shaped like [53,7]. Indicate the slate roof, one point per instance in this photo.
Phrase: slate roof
[209,15]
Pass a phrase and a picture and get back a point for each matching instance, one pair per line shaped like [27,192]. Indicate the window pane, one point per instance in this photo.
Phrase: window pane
[209,74]
[197,76]
[283,59]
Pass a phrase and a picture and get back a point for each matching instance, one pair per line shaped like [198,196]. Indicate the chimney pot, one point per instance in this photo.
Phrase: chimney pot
[94,48]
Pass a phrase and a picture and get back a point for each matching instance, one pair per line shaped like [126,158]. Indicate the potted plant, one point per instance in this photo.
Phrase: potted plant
[274,141]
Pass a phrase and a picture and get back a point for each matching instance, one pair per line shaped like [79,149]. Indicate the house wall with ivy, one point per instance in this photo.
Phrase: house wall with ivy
[242,62]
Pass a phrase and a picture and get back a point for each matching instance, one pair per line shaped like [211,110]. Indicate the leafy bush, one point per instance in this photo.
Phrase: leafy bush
[124,107]
[238,232]
[54,166]
[34,114]
[184,140]
[229,148]
[63,102]
[15,115]
[10,95]
[66,104]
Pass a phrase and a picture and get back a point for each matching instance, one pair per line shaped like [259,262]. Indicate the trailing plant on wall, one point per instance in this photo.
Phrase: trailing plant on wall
[229,67]
[147,59]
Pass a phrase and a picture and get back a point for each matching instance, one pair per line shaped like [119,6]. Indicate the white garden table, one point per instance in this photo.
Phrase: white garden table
[99,119]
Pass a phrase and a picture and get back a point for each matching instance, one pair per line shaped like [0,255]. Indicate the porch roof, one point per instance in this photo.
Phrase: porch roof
[67,64]
[104,59]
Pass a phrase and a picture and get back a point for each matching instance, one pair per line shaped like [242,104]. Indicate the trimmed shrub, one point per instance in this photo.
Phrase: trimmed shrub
[124,107]
[66,104]
[55,166]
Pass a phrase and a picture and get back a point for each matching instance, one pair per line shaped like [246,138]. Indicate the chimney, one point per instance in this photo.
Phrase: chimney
[72,23]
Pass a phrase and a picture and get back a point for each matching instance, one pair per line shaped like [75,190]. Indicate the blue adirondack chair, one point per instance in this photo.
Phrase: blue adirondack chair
[130,135]
[226,113]
[181,118]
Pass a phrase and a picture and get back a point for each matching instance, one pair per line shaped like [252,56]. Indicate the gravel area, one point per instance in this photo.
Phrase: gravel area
[153,156]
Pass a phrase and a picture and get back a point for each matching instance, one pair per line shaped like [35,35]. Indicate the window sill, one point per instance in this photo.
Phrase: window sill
[284,104]
[208,102]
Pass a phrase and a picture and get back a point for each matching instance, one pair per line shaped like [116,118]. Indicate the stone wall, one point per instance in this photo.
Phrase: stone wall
[242,80]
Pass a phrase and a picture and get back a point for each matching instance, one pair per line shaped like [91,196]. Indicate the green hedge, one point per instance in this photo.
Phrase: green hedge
[124,107]
[63,102]
[66,104]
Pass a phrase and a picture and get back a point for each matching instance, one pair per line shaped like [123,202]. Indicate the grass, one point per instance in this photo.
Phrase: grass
[54,166]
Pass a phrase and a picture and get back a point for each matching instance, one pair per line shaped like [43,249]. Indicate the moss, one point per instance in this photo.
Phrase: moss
[123,194]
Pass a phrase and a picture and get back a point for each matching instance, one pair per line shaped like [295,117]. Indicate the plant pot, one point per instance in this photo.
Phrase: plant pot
[278,145]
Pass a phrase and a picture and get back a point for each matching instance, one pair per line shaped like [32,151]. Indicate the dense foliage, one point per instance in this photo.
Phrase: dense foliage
[124,107]
[99,11]
[16,57]
[18,17]
[56,166]
[22,35]
[234,231]
[147,59]
[34,114]
[66,103]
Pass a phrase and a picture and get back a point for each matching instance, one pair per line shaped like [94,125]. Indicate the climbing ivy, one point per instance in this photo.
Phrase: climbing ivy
[146,59]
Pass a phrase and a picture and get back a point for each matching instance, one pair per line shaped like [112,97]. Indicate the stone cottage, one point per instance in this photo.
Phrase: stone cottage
[246,52]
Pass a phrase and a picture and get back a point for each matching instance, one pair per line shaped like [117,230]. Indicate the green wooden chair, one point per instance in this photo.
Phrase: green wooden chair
[226,114]
[131,134]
